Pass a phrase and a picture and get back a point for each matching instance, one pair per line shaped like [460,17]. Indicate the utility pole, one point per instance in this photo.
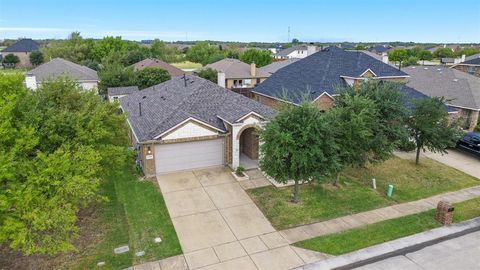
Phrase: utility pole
[288,38]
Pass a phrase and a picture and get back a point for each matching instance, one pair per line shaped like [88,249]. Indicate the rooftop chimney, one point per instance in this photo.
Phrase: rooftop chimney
[221,79]
[463,58]
[385,58]
[253,69]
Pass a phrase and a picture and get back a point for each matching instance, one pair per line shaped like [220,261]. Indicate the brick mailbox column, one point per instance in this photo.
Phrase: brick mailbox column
[444,213]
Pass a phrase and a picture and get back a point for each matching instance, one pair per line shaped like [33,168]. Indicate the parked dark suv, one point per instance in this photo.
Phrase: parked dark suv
[470,142]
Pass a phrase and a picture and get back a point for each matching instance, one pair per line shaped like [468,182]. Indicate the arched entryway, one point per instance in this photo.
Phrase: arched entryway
[249,147]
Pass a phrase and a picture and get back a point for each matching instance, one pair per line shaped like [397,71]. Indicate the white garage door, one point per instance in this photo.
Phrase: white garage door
[189,155]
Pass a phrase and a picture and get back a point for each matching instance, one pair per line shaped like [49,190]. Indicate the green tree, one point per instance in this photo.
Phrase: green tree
[259,57]
[75,48]
[204,53]
[398,55]
[411,61]
[109,45]
[151,76]
[209,74]
[429,126]
[443,52]
[468,51]
[354,122]
[10,60]
[298,145]
[114,74]
[57,144]
[389,128]
[425,55]
[36,58]
[160,50]
[134,56]
[360,47]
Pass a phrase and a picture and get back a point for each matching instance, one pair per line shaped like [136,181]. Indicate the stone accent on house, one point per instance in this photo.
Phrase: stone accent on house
[467,118]
[228,146]
[465,68]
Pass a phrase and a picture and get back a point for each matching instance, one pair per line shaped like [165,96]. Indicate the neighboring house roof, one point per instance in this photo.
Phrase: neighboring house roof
[378,49]
[275,66]
[170,103]
[235,69]
[153,62]
[122,90]
[459,88]
[61,67]
[472,60]
[23,45]
[287,51]
[447,60]
[322,72]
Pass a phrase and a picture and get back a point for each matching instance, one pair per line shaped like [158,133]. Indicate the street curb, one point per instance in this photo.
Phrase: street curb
[394,248]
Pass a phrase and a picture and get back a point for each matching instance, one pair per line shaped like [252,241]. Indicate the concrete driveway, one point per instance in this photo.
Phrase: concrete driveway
[460,160]
[219,226]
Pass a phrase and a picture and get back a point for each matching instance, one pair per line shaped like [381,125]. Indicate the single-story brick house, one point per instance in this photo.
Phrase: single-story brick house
[86,78]
[189,122]
[318,76]
[471,65]
[461,89]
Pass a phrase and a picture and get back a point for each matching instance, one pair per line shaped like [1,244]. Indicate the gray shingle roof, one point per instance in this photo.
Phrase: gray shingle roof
[235,69]
[321,72]
[459,88]
[168,104]
[153,62]
[122,90]
[472,60]
[378,48]
[23,45]
[61,67]
[275,66]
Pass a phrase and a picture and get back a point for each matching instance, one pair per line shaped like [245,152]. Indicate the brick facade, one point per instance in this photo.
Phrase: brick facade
[24,58]
[465,68]
[325,102]
[466,118]
[249,143]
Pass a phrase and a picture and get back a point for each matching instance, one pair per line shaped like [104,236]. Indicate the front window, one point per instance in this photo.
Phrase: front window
[471,70]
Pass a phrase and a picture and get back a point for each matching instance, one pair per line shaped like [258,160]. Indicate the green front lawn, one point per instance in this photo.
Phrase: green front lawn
[316,203]
[134,215]
[319,203]
[377,233]
[413,182]
[187,65]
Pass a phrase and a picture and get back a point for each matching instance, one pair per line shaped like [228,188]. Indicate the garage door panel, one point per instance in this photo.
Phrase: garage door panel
[189,155]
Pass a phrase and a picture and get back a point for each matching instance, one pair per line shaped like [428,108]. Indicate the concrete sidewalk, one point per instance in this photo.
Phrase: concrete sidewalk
[450,247]
[358,220]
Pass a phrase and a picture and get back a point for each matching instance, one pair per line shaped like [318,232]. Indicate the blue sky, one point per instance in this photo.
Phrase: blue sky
[246,20]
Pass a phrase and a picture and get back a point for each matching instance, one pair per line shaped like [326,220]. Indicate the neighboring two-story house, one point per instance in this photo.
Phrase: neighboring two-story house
[85,77]
[300,51]
[22,48]
[238,76]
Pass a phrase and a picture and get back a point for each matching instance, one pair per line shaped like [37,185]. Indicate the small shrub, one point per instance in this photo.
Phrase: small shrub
[239,171]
